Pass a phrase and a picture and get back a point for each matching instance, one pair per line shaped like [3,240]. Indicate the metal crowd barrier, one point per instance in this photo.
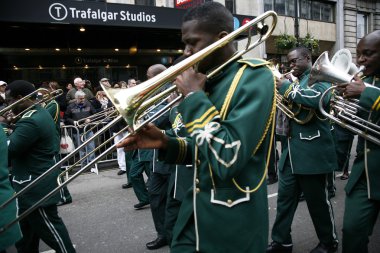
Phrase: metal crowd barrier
[79,135]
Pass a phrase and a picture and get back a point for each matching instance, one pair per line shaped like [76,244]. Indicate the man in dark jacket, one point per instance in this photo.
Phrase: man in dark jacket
[81,109]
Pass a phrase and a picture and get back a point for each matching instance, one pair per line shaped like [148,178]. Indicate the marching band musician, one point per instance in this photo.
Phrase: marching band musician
[54,109]
[305,165]
[12,234]
[32,147]
[229,195]
[363,188]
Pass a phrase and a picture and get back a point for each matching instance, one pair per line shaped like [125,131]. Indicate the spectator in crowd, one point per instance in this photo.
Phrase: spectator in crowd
[102,99]
[105,82]
[3,86]
[82,109]
[131,82]
[123,85]
[79,85]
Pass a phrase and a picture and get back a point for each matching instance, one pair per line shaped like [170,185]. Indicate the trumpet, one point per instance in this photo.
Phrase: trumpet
[42,95]
[133,102]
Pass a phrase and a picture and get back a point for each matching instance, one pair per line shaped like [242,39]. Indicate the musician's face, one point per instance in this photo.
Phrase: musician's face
[298,62]
[368,54]
[195,39]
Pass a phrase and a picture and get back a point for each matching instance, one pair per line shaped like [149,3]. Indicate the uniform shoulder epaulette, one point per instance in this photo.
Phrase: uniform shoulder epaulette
[28,113]
[254,62]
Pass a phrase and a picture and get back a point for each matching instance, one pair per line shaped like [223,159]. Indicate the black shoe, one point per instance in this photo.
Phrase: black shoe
[126,186]
[141,205]
[323,248]
[276,247]
[156,244]
[61,203]
[121,172]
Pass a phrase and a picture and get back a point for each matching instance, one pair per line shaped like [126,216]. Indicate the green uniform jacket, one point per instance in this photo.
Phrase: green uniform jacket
[182,177]
[310,146]
[32,147]
[8,214]
[368,153]
[230,125]
[53,108]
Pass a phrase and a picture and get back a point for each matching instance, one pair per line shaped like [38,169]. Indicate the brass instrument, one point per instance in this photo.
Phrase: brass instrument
[344,114]
[285,105]
[97,117]
[343,111]
[133,102]
[42,96]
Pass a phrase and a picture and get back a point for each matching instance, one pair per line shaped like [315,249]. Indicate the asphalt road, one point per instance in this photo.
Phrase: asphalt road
[102,219]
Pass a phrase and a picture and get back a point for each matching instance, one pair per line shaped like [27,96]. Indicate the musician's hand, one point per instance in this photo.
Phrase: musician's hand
[148,137]
[280,82]
[190,81]
[354,88]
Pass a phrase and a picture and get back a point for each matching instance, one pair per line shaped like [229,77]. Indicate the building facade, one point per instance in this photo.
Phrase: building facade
[133,34]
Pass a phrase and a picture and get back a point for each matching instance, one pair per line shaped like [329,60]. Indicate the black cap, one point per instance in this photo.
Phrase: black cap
[20,88]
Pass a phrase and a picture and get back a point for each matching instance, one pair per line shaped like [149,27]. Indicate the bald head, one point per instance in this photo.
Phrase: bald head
[155,70]
[368,53]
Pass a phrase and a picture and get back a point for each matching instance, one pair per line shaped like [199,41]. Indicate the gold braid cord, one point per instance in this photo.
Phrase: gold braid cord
[271,119]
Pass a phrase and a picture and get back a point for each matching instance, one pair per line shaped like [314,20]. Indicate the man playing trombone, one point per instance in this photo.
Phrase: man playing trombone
[32,147]
[363,188]
[226,210]
[306,162]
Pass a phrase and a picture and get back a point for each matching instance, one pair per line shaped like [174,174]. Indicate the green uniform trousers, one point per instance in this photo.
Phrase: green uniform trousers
[343,143]
[359,218]
[137,179]
[185,242]
[128,164]
[158,191]
[44,223]
[314,188]
[171,214]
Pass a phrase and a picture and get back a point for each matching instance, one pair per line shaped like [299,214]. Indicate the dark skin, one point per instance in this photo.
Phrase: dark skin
[368,55]
[298,63]
[195,39]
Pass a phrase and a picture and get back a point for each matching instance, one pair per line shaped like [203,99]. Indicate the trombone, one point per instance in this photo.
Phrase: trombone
[46,96]
[133,102]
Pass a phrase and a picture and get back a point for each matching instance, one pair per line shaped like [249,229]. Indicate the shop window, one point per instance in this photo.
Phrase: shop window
[305,9]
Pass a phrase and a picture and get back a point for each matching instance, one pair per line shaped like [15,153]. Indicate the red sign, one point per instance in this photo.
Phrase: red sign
[186,4]
[181,2]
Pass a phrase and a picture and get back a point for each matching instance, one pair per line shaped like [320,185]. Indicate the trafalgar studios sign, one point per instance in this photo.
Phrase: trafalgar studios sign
[88,12]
